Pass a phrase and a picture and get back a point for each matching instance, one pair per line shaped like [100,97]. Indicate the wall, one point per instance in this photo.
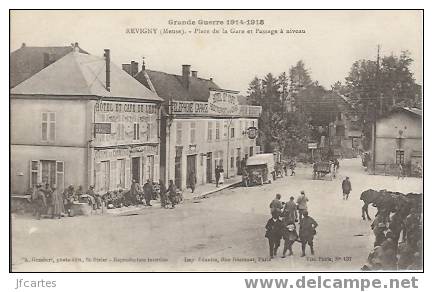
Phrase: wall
[388,130]
[26,121]
[74,158]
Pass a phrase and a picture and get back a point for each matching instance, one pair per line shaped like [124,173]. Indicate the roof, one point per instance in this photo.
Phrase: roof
[27,61]
[79,74]
[169,86]
[411,110]
[414,110]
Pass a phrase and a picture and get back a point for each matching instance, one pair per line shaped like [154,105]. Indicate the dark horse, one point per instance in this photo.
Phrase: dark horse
[387,202]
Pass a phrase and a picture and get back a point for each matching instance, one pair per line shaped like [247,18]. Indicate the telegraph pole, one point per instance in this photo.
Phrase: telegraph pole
[375,107]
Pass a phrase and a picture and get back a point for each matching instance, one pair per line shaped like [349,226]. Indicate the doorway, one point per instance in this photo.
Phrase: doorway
[135,169]
[209,167]
[191,166]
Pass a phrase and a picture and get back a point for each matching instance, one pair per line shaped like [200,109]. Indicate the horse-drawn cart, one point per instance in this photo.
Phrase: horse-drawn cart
[321,169]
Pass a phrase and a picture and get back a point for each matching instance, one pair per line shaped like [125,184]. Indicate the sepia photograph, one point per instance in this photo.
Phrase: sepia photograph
[216,140]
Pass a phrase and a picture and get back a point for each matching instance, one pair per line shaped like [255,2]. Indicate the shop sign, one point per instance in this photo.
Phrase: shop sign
[126,107]
[312,145]
[107,154]
[102,128]
[223,103]
[146,149]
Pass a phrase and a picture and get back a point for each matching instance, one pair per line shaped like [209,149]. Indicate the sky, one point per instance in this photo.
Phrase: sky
[332,42]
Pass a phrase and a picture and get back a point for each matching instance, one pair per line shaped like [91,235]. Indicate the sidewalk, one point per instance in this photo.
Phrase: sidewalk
[203,191]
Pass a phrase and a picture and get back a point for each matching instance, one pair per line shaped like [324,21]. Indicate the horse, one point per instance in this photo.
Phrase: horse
[383,200]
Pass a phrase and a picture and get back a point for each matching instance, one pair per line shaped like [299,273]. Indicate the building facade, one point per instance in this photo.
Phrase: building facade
[203,125]
[398,140]
[83,121]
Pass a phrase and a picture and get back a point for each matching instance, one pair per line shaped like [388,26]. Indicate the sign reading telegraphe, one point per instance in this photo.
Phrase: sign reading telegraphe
[220,103]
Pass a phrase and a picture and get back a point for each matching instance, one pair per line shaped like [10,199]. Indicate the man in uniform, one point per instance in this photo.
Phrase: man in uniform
[276,205]
[39,201]
[347,188]
[273,233]
[302,204]
[307,230]
[147,190]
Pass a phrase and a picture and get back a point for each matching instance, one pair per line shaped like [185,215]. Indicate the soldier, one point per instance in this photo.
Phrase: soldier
[273,234]
[290,236]
[148,191]
[48,192]
[307,230]
[192,180]
[95,198]
[57,203]
[163,193]
[302,204]
[68,199]
[347,188]
[289,212]
[172,193]
[217,175]
[39,201]
[276,206]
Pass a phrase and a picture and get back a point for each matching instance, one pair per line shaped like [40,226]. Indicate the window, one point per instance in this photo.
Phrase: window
[225,130]
[232,158]
[136,131]
[49,126]
[217,130]
[399,156]
[120,131]
[149,131]
[178,133]
[121,173]
[34,173]
[209,130]
[60,176]
[48,171]
[192,133]
[232,132]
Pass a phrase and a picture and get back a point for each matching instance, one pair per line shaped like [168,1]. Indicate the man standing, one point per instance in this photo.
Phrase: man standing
[273,233]
[302,204]
[276,205]
[347,188]
[68,199]
[135,189]
[39,201]
[192,180]
[172,193]
[289,213]
[57,203]
[48,192]
[162,193]
[95,198]
[147,190]
[217,175]
[307,230]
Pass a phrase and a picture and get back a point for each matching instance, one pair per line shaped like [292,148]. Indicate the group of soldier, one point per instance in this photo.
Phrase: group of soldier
[47,200]
[282,225]
[389,252]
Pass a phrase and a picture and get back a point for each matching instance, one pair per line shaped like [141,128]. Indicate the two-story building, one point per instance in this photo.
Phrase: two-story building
[398,140]
[203,125]
[81,121]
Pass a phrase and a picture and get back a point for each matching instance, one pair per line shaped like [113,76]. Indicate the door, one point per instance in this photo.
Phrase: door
[209,167]
[178,171]
[150,167]
[191,166]
[135,169]
[238,161]
[105,168]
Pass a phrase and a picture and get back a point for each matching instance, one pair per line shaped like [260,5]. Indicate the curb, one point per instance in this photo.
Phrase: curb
[206,194]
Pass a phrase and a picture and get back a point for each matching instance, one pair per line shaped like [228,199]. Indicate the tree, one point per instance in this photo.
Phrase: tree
[299,80]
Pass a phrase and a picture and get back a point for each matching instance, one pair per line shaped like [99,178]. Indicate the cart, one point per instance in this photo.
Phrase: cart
[321,169]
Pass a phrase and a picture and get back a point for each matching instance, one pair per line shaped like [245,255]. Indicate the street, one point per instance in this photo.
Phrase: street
[222,233]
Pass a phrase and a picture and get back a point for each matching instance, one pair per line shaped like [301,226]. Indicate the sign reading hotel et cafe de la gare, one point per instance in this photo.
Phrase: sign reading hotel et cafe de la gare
[220,103]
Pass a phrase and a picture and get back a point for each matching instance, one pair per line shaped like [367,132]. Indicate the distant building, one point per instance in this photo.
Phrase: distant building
[27,60]
[399,141]
[82,121]
[203,126]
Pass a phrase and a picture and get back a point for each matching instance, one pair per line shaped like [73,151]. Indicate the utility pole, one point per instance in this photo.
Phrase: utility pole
[378,96]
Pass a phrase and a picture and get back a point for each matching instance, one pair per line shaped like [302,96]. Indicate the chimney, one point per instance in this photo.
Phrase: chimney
[211,79]
[134,68]
[143,66]
[185,75]
[194,74]
[107,69]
